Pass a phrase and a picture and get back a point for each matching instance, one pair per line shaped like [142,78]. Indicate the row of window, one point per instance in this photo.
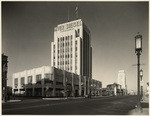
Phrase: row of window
[63,38]
[66,68]
[38,77]
[67,50]
[66,62]
[63,44]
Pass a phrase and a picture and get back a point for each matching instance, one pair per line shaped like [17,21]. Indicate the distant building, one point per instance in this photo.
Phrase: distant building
[4,76]
[104,92]
[131,92]
[114,89]
[122,79]
[96,87]
[49,81]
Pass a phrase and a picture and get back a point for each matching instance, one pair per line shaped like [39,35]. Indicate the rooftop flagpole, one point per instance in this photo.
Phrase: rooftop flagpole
[76,11]
[68,13]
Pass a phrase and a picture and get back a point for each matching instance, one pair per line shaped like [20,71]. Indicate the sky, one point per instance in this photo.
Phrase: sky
[28,30]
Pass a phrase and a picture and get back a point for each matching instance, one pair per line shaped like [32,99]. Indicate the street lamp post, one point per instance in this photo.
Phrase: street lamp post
[138,50]
[141,75]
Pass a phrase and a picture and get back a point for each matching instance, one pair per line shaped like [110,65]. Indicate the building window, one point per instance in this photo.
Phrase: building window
[22,81]
[48,76]
[76,48]
[38,77]
[76,42]
[76,67]
[16,82]
[71,37]
[77,32]
[29,79]
[58,51]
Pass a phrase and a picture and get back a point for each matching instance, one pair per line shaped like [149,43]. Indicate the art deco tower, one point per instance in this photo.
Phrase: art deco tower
[71,49]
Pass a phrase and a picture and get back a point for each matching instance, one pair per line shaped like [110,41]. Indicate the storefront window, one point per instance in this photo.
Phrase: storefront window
[29,79]
[16,82]
[38,77]
[22,81]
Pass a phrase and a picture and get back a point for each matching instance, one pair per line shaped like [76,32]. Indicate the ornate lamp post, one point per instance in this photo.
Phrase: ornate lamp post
[141,75]
[138,50]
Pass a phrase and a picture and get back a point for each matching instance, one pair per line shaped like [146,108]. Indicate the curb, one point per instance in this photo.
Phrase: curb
[63,98]
[10,101]
[54,98]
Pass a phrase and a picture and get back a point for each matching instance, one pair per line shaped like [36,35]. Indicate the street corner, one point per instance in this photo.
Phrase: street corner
[143,111]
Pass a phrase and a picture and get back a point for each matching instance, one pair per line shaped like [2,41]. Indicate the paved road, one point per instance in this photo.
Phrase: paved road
[101,106]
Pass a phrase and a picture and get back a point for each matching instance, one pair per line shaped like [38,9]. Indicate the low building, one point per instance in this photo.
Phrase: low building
[113,90]
[96,88]
[49,81]
[104,92]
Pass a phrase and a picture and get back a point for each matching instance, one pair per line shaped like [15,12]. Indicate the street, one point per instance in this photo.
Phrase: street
[119,105]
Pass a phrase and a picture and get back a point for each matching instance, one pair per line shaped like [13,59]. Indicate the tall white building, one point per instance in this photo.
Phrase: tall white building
[71,49]
[122,79]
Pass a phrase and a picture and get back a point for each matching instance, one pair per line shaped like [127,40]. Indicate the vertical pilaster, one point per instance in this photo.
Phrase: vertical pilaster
[33,90]
[54,83]
[73,85]
[42,87]
[80,85]
[25,90]
[84,78]
[88,82]
[64,82]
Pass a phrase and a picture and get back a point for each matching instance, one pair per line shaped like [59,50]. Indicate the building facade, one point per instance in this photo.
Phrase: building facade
[122,79]
[4,76]
[71,49]
[49,81]
[113,90]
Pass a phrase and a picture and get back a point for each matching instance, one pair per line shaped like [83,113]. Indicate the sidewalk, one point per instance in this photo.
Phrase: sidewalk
[144,110]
